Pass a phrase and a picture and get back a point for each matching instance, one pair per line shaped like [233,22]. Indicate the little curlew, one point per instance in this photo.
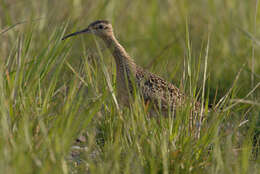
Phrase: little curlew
[154,90]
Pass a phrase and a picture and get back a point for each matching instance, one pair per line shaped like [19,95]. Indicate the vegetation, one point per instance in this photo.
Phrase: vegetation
[53,90]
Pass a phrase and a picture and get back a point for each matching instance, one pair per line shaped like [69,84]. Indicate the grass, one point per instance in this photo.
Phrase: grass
[51,90]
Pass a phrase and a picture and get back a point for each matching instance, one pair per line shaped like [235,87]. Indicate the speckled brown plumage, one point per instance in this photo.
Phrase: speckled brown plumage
[162,94]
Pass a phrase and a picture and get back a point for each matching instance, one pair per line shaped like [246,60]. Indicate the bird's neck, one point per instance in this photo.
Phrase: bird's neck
[123,61]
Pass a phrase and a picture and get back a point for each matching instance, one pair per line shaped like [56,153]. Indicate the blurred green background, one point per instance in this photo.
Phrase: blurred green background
[153,32]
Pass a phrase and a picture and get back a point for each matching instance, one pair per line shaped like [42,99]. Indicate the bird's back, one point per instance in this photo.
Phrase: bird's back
[154,89]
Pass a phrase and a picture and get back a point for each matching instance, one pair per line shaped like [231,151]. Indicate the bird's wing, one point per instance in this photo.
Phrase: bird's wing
[156,90]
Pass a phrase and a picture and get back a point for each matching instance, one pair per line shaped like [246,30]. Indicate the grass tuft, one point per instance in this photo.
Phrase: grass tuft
[53,91]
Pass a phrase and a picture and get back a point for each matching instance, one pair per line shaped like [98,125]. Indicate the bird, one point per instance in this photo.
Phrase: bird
[162,95]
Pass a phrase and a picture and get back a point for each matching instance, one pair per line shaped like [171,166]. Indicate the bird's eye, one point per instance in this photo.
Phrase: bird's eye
[100,27]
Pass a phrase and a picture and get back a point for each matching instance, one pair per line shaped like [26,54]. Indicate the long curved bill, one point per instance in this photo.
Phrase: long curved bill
[76,33]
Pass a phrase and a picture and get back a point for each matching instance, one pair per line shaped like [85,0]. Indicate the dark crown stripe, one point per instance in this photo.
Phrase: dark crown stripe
[99,21]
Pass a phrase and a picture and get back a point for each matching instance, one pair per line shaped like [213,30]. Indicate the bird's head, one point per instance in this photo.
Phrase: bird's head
[101,28]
